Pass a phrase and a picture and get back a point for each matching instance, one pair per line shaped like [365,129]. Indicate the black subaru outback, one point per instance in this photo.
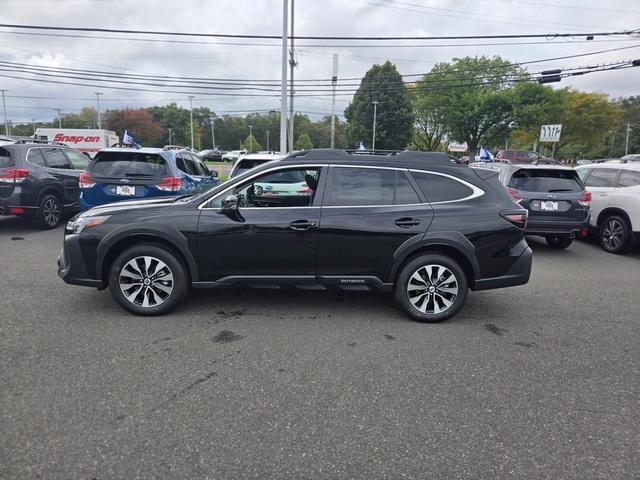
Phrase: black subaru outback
[40,181]
[420,225]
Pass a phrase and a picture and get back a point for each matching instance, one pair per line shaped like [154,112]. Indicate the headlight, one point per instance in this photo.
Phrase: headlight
[77,225]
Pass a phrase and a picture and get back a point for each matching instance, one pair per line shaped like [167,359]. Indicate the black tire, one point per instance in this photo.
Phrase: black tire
[614,234]
[152,291]
[559,241]
[426,304]
[49,214]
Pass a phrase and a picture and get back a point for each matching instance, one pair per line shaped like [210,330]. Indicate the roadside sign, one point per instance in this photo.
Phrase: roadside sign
[550,133]
[457,147]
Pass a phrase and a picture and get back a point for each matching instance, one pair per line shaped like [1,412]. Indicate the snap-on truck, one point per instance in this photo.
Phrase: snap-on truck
[87,141]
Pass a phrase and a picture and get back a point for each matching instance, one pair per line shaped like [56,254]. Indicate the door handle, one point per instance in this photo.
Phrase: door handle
[407,222]
[301,225]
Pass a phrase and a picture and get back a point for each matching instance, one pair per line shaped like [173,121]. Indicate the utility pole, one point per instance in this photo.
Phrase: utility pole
[283,80]
[98,101]
[268,141]
[59,110]
[213,133]
[191,97]
[250,138]
[375,112]
[170,130]
[4,106]
[33,124]
[292,66]
[334,82]
[626,142]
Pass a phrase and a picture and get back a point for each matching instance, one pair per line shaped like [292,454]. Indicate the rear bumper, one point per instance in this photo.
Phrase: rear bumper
[15,201]
[518,274]
[71,265]
[560,227]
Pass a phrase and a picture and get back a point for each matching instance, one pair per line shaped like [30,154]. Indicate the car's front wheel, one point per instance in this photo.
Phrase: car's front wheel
[614,234]
[148,279]
[559,241]
[431,288]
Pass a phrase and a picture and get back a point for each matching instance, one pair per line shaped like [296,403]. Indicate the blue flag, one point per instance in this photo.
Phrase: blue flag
[485,154]
[128,139]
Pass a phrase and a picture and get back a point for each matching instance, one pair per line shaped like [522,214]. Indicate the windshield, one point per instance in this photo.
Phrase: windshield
[129,164]
[541,180]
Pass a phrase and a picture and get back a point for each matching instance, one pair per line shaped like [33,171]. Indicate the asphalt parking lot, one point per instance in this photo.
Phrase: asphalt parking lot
[538,381]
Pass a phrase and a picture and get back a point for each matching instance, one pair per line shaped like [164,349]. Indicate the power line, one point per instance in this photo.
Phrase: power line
[316,37]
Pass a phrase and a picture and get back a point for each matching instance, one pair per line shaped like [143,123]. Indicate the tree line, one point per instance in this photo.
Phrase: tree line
[478,100]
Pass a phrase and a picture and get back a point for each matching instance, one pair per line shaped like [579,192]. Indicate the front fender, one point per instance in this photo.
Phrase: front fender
[161,231]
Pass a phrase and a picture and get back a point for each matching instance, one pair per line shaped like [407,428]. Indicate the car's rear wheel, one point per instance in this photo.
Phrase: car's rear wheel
[559,241]
[431,288]
[148,279]
[614,234]
[49,214]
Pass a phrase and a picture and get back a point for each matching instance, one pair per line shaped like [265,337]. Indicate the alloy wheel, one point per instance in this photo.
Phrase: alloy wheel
[432,289]
[146,281]
[612,234]
[51,212]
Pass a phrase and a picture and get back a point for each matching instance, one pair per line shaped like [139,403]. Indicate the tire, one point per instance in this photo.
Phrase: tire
[49,214]
[560,241]
[148,297]
[614,234]
[426,271]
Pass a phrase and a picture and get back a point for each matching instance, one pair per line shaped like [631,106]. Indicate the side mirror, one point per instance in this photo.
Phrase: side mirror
[214,173]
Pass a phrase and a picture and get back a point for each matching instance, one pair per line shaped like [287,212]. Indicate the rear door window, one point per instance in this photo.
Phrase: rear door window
[184,164]
[629,178]
[543,180]
[438,188]
[129,164]
[35,156]
[369,187]
[602,177]
[55,158]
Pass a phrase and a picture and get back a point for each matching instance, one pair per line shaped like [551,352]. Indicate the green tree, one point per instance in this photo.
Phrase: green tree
[303,142]
[250,144]
[394,122]
[430,122]
[472,96]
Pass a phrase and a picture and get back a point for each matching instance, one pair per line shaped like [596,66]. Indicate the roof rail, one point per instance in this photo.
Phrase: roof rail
[23,141]
[392,155]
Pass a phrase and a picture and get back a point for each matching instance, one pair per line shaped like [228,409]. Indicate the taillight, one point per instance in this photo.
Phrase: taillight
[86,181]
[585,200]
[515,194]
[517,217]
[169,184]
[13,175]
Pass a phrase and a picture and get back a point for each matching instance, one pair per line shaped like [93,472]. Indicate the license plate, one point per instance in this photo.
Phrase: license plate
[125,190]
[553,206]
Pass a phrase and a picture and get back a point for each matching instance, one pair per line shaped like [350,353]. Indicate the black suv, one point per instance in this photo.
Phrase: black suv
[419,224]
[40,181]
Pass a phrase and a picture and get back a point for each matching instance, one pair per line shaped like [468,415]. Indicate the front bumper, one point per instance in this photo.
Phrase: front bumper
[71,265]
[518,274]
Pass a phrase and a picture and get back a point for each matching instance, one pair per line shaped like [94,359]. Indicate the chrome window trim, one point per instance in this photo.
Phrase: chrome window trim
[275,167]
[476,191]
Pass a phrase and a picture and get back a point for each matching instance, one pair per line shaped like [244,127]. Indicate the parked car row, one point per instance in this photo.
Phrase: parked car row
[45,181]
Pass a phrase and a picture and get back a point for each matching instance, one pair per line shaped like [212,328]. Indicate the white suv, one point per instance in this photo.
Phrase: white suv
[615,203]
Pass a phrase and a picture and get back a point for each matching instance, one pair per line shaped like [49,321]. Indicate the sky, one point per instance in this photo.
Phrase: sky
[218,58]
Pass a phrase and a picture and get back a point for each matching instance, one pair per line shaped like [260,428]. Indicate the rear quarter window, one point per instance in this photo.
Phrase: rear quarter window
[6,160]
[438,188]
[121,164]
[542,180]
[629,178]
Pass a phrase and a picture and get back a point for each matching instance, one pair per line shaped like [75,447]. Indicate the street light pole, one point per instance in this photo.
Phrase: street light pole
[98,101]
[334,82]
[292,66]
[191,97]
[4,106]
[375,111]
[213,133]
[59,110]
[33,125]
[170,130]
[268,140]
[626,143]
[283,80]
[250,138]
